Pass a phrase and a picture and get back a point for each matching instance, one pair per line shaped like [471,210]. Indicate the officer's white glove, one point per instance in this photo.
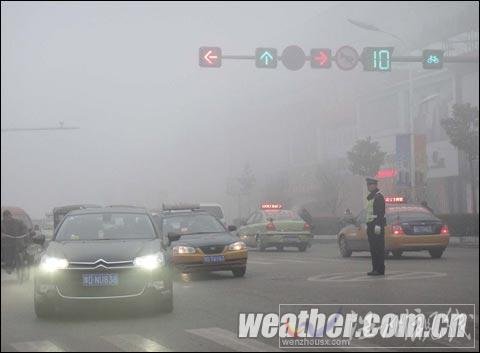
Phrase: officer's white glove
[378,230]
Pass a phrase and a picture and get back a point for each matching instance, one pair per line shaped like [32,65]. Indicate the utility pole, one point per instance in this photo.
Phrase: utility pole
[373,28]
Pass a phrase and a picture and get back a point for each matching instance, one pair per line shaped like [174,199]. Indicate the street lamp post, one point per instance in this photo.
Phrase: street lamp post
[370,27]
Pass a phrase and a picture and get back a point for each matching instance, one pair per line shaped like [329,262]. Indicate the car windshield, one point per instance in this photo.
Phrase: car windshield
[105,226]
[409,214]
[192,224]
[283,215]
[215,211]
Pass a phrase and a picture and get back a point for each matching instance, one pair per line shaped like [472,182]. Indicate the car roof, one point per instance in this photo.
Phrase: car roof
[275,210]
[210,204]
[71,207]
[126,206]
[182,212]
[402,205]
[405,206]
[97,210]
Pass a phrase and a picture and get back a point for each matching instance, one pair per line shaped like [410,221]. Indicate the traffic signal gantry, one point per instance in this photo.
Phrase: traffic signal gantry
[377,59]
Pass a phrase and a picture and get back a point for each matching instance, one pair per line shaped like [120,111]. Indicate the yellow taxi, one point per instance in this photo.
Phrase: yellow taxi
[409,227]
[196,241]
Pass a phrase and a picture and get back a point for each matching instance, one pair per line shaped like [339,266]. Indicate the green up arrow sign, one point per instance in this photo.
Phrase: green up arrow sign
[266,58]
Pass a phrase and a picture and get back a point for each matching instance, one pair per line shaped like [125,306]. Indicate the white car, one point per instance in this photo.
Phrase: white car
[215,210]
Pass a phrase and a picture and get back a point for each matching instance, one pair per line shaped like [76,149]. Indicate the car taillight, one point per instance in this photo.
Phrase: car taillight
[270,226]
[397,229]
[444,230]
[306,226]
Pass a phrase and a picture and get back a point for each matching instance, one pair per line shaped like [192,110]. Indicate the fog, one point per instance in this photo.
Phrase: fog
[153,125]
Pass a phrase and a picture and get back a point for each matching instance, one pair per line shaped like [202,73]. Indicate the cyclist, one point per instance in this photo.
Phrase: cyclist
[11,227]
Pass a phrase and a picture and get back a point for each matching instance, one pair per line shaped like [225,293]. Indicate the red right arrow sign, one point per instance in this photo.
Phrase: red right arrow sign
[321,58]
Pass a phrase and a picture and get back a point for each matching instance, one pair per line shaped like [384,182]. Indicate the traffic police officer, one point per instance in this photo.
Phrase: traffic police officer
[376,227]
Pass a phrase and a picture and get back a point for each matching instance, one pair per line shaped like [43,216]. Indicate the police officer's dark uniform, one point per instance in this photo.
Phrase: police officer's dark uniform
[376,228]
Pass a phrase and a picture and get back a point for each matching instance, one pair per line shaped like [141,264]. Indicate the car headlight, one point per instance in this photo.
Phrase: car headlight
[182,250]
[149,262]
[51,264]
[239,245]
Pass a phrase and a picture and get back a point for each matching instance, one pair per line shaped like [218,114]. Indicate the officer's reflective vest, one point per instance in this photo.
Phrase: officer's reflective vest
[370,216]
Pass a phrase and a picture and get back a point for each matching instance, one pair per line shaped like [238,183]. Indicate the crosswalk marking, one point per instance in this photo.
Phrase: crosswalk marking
[230,340]
[36,346]
[135,343]
[316,260]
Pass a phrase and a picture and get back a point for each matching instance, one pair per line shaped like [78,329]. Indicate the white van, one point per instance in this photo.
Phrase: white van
[215,210]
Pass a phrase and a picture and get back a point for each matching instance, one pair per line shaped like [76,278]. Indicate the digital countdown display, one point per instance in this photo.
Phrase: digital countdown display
[377,59]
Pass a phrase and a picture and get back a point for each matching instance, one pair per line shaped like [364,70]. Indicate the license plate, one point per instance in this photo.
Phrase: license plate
[422,229]
[292,239]
[100,279]
[216,259]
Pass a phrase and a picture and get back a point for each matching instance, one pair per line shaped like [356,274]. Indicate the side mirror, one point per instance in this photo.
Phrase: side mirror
[232,228]
[39,239]
[173,237]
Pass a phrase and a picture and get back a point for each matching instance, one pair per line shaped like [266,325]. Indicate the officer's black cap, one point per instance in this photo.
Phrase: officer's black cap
[371,181]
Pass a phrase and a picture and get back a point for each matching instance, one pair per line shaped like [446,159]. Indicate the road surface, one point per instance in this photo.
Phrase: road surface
[207,306]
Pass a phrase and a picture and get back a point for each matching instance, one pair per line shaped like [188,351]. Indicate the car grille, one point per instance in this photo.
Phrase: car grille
[130,282]
[213,249]
[93,265]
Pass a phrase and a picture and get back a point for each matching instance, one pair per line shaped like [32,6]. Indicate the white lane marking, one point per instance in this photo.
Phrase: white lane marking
[230,340]
[317,260]
[36,346]
[361,276]
[135,343]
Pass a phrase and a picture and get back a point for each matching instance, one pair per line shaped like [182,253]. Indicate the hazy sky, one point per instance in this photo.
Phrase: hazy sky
[154,126]
[151,121]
